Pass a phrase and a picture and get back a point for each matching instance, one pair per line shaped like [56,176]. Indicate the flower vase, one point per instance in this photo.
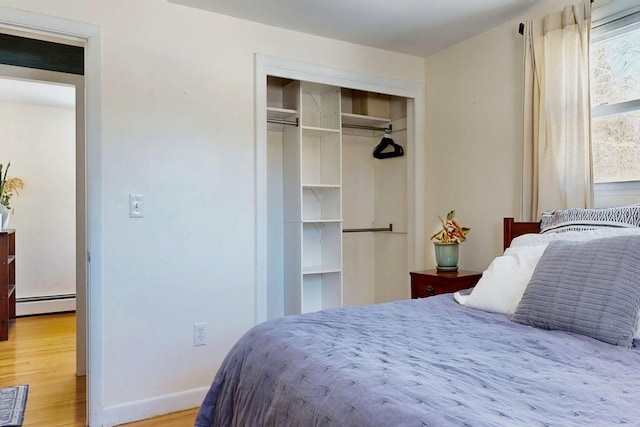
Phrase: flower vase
[447,256]
[5,214]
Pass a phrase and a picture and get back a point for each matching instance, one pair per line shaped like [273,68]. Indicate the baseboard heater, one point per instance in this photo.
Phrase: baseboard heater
[45,304]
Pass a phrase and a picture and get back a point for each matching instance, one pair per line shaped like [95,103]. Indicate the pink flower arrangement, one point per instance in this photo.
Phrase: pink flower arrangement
[452,231]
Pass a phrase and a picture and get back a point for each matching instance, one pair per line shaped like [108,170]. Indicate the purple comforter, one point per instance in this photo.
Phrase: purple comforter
[420,362]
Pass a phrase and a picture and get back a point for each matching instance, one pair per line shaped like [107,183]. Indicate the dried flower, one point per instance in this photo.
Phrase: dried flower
[451,230]
[8,186]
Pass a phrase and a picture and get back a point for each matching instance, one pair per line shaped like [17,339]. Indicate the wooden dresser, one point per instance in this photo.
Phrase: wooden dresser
[7,282]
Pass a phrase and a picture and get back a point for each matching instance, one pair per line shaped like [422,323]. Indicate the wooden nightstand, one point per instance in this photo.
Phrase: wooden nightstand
[433,282]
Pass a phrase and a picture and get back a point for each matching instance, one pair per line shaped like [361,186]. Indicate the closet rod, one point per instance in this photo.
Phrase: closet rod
[521,26]
[344,125]
[295,123]
[362,230]
[283,122]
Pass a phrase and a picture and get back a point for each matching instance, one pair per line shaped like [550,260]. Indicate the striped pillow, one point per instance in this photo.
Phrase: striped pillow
[578,219]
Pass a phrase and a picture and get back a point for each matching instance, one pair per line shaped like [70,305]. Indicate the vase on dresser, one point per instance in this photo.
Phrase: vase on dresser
[447,256]
[5,214]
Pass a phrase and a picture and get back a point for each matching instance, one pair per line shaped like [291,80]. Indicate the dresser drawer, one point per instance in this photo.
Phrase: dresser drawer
[432,282]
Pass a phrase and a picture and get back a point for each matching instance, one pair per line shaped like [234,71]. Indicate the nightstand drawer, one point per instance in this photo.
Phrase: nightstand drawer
[432,282]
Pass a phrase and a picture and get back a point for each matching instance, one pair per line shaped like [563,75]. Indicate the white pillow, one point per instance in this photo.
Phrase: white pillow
[501,286]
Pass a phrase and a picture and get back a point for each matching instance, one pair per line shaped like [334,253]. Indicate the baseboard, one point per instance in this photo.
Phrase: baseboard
[153,407]
[29,307]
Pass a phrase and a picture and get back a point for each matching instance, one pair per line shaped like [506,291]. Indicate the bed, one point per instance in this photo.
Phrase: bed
[447,359]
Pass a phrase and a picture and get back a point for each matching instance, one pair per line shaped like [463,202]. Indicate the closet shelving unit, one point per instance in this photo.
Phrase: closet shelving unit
[310,257]
[312,177]
[336,215]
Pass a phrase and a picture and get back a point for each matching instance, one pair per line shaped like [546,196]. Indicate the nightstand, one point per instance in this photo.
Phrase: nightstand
[427,283]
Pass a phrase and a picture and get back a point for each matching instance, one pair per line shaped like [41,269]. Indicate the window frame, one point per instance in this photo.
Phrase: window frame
[601,30]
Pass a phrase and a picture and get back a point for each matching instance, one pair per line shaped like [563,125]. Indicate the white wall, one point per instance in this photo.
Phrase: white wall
[474,126]
[39,141]
[178,127]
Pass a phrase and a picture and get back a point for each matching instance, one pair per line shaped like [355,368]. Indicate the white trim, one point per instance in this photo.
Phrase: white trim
[45,25]
[90,34]
[93,131]
[612,194]
[268,65]
[29,308]
[261,189]
[148,408]
[615,109]
[617,188]
[614,13]
[614,26]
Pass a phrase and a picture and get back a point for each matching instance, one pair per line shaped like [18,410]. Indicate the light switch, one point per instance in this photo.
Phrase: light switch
[136,207]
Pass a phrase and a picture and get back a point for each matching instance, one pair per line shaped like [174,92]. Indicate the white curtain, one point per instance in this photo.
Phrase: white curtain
[557,126]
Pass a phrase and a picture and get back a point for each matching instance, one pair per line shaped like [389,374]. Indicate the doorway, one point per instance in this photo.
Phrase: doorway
[51,106]
[91,259]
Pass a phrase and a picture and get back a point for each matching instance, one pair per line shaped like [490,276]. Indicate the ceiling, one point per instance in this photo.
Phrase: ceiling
[415,27]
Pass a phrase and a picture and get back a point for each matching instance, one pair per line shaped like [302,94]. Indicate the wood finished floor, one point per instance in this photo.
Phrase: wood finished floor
[41,352]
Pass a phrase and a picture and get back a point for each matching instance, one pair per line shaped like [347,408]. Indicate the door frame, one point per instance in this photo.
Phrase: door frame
[77,81]
[414,92]
[89,200]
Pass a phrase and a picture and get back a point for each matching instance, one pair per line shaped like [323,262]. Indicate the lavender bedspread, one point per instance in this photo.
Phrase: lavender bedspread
[420,362]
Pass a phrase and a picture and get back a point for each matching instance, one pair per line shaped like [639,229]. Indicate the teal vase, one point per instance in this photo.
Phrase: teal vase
[447,256]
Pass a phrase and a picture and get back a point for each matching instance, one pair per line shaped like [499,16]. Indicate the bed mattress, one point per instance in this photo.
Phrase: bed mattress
[420,362]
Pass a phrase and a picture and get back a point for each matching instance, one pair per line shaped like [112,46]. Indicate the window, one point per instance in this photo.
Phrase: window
[615,97]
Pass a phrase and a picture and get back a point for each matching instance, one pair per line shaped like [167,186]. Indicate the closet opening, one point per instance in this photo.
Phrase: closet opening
[340,268]
[338,204]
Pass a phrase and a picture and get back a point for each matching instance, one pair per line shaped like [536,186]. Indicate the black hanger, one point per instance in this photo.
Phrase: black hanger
[387,142]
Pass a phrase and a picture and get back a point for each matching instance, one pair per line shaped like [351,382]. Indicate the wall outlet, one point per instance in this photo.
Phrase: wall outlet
[199,334]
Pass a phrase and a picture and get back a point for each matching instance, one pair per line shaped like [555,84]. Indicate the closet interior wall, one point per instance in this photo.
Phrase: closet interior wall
[374,196]
[373,193]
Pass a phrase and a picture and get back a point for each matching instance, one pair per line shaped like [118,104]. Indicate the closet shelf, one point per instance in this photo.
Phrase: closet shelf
[360,120]
[280,113]
[312,186]
[321,220]
[320,269]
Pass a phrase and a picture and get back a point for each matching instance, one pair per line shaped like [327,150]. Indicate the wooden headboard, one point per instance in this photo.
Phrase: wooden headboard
[513,229]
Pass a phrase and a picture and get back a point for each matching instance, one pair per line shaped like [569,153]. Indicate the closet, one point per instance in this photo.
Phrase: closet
[336,214]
